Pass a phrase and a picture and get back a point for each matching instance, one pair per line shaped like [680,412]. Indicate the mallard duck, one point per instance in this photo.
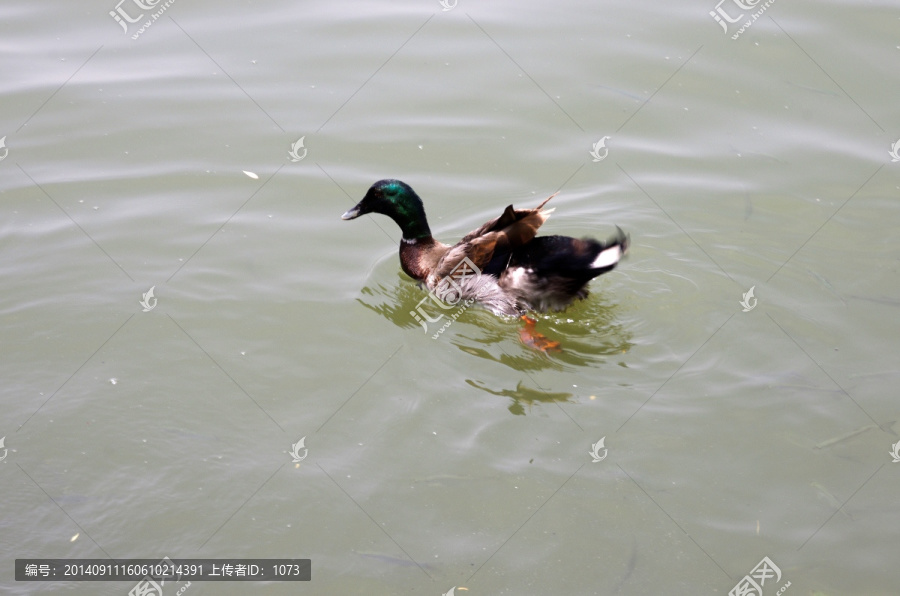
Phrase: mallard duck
[503,264]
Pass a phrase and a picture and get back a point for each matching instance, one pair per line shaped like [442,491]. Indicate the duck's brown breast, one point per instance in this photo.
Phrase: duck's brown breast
[418,257]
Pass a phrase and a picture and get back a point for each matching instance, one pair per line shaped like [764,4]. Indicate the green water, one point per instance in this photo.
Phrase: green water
[461,461]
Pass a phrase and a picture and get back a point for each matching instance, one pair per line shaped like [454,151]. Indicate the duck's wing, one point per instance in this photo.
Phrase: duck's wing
[514,228]
[512,219]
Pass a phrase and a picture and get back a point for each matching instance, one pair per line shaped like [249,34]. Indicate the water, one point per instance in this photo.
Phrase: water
[462,461]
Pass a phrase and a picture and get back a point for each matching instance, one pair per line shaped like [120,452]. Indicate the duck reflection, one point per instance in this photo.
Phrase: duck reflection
[588,332]
[523,396]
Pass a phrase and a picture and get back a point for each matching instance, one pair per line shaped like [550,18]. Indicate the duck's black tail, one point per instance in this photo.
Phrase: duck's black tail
[610,253]
[577,258]
[551,271]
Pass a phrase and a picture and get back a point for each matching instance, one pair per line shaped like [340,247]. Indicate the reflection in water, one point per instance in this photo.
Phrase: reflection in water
[588,331]
[395,303]
[523,396]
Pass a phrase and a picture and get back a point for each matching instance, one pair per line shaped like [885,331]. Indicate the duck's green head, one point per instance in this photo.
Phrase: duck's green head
[398,201]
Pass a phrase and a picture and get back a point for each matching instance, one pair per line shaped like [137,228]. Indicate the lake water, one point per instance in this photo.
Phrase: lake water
[209,156]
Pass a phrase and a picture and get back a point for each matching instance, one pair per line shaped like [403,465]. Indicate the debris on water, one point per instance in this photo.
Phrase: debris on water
[829,498]
[845,436]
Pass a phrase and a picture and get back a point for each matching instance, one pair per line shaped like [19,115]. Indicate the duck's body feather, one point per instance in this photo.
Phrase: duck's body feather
[501,264]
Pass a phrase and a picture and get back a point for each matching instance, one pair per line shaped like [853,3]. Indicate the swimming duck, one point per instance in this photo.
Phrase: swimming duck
[503,264]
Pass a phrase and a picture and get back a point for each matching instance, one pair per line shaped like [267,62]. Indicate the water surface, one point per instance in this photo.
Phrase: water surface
[461,461]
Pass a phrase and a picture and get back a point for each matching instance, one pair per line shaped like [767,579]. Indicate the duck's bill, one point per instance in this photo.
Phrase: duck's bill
[352,213]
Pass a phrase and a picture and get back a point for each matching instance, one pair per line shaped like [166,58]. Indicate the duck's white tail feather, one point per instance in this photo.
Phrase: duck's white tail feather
[608,257]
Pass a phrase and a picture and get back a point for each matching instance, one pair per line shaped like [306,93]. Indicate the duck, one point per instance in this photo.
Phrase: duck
[503,264]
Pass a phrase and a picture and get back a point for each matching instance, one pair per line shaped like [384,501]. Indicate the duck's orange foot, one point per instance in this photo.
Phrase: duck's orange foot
[533,339]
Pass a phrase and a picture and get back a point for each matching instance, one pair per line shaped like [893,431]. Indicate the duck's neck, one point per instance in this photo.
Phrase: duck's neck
[412,222]
[415,230]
